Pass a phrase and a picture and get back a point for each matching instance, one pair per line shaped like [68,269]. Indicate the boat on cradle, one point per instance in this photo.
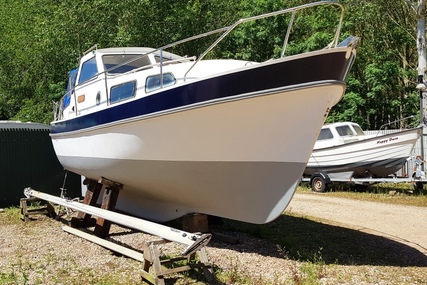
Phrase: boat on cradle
[192,135]
[343,150]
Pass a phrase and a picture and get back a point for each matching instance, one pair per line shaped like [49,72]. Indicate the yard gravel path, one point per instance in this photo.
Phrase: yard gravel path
[40,252]
[405,224]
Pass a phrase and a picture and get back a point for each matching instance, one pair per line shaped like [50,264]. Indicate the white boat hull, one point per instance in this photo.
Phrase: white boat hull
[227,158]
[218,136]
[373,157]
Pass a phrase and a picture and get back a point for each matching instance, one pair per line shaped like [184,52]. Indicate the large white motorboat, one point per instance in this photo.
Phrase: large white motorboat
[345,148]
[223,137]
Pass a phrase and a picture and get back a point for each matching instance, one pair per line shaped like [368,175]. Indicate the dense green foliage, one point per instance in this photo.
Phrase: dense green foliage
[381,86]
[41,40]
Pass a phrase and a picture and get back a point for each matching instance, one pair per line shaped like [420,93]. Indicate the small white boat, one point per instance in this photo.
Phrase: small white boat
[344,148]
[186,135]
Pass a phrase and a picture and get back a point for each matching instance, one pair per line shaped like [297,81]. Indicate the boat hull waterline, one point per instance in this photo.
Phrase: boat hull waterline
[228,159]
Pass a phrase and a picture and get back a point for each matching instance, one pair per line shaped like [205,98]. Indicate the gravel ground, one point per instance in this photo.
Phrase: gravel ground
[40,252]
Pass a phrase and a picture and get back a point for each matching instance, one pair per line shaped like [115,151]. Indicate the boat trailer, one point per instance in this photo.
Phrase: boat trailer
[195,242]
[320,181]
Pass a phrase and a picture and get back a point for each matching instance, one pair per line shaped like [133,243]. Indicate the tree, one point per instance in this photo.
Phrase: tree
[381,85]
[41,40]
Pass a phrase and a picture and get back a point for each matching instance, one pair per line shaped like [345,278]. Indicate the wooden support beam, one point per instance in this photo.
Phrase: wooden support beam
[110,191]
[105,243]
[159,271]
[109,201]
[195,223]
[91,197]
[26,213]
[150,257]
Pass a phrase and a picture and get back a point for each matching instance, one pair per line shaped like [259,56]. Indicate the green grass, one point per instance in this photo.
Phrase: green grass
[8,278]
[400,194]
[10,215]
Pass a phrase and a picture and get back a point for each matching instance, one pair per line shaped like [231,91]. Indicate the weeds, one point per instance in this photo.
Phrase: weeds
[8,278]
[313,271]
[391,193]
[233,273]
[10,216]
[305,272]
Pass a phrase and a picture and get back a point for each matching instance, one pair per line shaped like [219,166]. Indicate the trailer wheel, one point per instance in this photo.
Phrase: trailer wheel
[318,184]
[418,187]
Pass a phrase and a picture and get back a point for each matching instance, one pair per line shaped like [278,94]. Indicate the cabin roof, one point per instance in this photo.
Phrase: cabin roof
[339,124]
[135,50]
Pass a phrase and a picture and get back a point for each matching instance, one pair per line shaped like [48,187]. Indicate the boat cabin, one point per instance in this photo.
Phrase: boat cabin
[116,75]
[339,133]
[113,75]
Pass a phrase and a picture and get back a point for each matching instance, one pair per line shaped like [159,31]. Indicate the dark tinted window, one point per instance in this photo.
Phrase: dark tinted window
[325,134]
[121,63]
[153,82]
[89,70]
[122,91]
[70,87]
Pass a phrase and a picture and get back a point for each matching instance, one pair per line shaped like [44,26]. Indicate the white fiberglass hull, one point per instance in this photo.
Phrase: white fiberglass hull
[239,158]
[373,157]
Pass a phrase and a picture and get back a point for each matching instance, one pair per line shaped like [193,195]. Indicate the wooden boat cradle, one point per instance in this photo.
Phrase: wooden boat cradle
[154,267]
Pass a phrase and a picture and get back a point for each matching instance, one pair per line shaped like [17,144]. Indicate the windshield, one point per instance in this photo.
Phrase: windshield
[358,130]
[121,63]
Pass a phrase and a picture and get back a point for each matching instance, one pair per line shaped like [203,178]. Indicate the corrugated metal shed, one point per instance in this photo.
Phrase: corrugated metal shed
[27,159]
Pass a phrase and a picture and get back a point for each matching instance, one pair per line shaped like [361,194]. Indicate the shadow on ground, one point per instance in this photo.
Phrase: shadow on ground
[307,240]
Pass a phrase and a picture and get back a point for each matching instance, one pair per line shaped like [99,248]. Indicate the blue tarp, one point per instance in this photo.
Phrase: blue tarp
[70,87]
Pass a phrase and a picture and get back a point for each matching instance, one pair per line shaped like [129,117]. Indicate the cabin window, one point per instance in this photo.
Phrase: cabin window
[344,131]
[66,100]
[121,63]
[122,91]
[70,88]
[88,71]
[325,134]
[358,130]
[164,59]
[153,82]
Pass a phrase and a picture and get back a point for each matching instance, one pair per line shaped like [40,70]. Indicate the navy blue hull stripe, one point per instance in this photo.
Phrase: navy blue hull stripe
[329,66]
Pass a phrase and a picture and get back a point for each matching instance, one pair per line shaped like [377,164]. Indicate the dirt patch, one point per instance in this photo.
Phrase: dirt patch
[405,224]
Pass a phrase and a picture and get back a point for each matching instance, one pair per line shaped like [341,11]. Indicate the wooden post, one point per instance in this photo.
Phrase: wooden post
[26,213]
[110,190]
[195,223]
[109,201]
[92,194]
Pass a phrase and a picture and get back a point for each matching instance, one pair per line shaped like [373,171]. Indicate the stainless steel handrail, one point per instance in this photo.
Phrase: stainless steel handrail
[225,31]
[228,29]
[267,15]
